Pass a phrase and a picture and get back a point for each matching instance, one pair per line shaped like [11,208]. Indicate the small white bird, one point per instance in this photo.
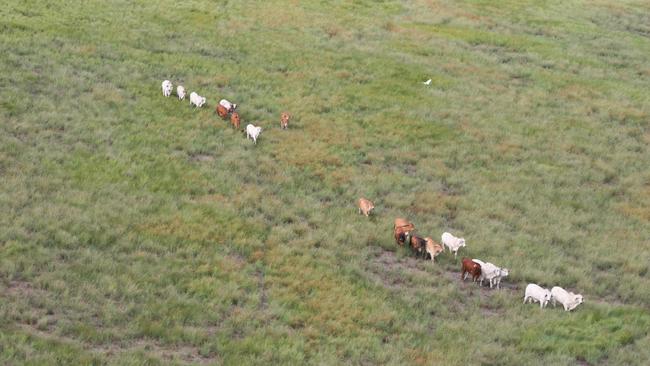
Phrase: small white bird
[427,82]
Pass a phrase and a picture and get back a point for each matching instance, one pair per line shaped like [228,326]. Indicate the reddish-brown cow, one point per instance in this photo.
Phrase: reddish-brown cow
[222,111]
[472,268]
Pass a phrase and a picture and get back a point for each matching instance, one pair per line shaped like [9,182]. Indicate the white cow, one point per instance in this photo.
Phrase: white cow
[253,132]
[167,88]
[230,107]
[452,242]
[180,91]
[196,99]
[537,293]
[568,299]
[491,273]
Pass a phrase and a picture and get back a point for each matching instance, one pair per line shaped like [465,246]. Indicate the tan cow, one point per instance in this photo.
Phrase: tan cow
[433,248]
[365,206]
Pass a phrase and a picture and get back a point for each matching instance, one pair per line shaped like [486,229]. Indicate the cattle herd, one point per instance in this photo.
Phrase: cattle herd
[403,231]
[223,109]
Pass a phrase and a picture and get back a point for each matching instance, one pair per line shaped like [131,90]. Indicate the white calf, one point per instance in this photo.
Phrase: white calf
[537,293]
[253,132]
[452,242]
[568,299]
[230,107]
[180,91]
[167,88]
[196,99]
[491,273]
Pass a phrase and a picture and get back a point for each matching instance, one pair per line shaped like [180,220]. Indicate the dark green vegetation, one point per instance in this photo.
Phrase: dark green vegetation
[136,229]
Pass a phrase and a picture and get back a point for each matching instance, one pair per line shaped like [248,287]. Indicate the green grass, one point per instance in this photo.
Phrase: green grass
[137,230]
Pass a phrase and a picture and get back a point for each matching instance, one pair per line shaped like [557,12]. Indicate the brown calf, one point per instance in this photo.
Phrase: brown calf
[284,121]
[234,120]
[472,268]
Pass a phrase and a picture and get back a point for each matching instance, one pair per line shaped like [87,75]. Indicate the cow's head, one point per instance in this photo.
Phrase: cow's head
[504,272]
[578,298]
[234,106]
[461,242]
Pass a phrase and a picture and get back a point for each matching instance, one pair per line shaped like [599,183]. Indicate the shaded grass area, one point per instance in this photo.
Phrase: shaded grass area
[141,231]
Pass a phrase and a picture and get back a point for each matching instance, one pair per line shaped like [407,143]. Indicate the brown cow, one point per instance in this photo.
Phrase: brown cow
[433,248]
[402,230]
[284,121]
[471,267]
[234,120]
[365,206]
[401,237]
[418,245]
[222,111]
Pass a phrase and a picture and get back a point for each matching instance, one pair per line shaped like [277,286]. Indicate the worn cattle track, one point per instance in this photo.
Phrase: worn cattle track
[411,275]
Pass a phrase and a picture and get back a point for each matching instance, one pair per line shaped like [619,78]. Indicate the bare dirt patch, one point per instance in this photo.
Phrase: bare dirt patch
[201,157]
[393,272]
[411,275]
[20,288]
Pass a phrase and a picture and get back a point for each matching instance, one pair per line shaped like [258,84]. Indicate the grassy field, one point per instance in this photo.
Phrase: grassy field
[137,230]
